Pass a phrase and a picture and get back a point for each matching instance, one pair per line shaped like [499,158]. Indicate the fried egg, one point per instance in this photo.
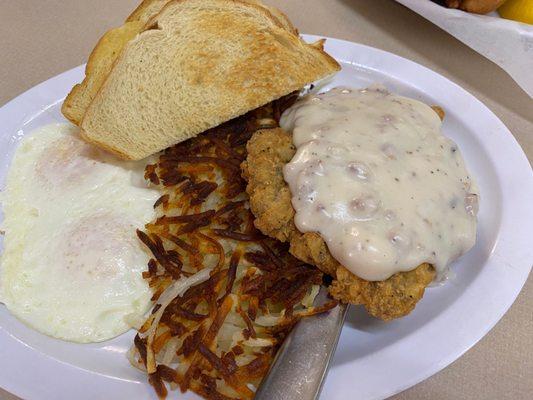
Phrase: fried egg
[72,265]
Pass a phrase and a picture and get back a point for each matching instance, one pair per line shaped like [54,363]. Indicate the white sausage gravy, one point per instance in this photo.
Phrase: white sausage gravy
[374,176]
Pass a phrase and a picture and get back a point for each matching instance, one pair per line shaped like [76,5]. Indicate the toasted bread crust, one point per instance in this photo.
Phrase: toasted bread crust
[103,57]
[146,10]
[98,66]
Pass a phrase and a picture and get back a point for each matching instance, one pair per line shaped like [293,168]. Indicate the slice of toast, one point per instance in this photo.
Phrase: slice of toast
[198,63]
[110,46]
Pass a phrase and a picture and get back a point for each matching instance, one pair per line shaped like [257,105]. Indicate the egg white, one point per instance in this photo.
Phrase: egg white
[71,265]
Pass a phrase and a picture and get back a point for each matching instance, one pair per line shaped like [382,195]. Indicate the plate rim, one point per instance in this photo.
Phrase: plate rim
[50,90]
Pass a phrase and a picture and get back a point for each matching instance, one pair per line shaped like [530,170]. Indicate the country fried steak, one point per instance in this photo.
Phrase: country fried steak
[270,201]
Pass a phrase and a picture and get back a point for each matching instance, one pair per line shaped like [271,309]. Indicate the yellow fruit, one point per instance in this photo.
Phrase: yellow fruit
[518,10]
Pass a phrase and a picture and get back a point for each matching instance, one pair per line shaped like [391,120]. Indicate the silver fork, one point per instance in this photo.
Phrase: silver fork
[302,362]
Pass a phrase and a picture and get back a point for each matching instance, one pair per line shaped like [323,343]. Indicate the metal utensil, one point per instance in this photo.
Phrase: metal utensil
[302,362]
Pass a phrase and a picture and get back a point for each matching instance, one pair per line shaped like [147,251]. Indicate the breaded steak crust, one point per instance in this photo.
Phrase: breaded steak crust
[270,200]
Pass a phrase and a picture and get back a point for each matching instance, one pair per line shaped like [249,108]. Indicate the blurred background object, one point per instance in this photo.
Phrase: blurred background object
[518,10]
[506,43]
[475,6]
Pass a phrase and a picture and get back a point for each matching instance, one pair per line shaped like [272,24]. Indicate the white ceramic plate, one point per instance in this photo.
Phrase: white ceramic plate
[374,359]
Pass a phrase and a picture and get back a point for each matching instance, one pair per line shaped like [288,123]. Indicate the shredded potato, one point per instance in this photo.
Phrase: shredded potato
[225,295]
